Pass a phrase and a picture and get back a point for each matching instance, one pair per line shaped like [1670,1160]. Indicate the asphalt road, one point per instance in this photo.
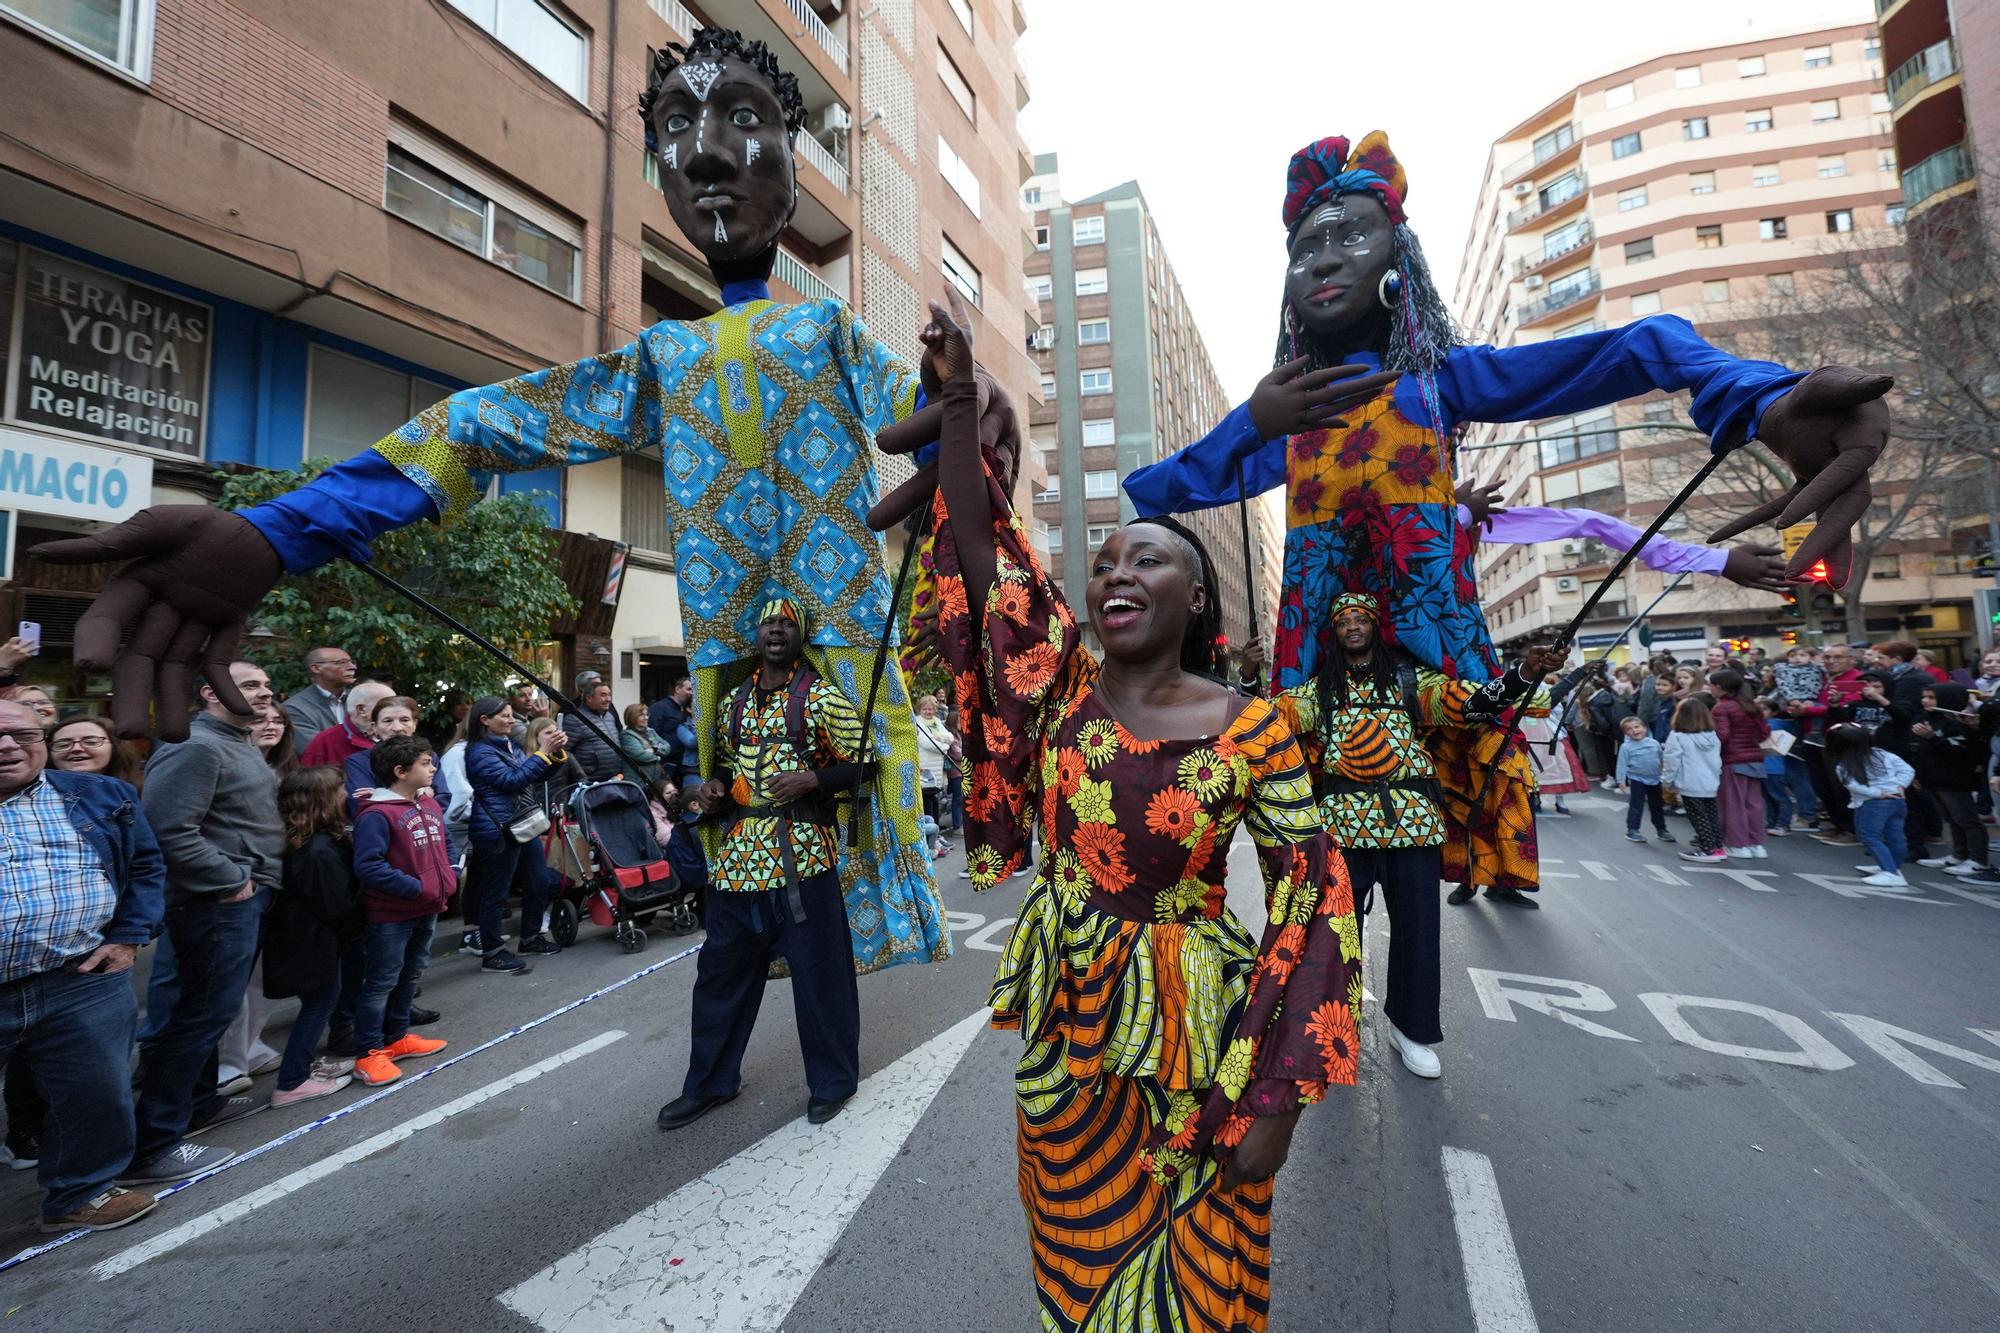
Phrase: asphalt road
[1650,1118]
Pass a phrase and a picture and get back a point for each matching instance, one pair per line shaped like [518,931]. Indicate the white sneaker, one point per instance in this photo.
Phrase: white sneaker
[1739,853]
[1887,879]
[1939,862]
[1964,869]
[1867,867]
[232,1085]
[1418,1058]
[1758,852]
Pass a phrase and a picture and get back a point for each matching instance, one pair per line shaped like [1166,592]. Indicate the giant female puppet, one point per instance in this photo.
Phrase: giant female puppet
[1368,497]
[764,414]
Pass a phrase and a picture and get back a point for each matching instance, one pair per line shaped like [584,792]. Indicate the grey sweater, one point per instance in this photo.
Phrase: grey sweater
[213,803]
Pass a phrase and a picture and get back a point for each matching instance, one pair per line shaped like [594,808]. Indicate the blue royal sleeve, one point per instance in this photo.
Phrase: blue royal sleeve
[344,509]
[1203,475]
[1586,370]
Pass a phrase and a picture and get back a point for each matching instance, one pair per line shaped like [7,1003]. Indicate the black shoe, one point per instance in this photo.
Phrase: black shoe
[1513,898]
[420,1017]
[342,1043]
[25,1150]
[818,1112]
[230,1108]
[684,1111]
[540,945]
[1461,895]
[504,963]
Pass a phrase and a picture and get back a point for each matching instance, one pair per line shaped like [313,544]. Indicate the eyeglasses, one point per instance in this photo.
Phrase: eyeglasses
[81,743]
[26,739]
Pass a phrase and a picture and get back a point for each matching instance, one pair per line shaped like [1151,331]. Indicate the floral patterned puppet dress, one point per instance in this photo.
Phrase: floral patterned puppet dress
[1156,1027]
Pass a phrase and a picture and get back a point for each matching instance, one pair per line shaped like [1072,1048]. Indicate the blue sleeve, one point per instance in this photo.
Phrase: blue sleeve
[1203,475]
[371,859]
[344,509]
[142,898]
[1586,370]
[1624,753]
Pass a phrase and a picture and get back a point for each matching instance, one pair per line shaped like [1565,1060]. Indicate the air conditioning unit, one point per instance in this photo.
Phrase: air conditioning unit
[1523,189]
[1042,340]
[1534,280]
[1568,583]
[836,119]
[1572,548]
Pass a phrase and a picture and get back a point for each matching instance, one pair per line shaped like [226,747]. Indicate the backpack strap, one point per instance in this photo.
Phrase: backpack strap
[796,730]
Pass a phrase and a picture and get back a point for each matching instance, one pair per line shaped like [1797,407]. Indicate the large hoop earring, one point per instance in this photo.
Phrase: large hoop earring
[1390,289]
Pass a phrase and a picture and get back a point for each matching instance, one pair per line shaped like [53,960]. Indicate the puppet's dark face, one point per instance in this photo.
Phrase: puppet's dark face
[725,158]
[1338,258]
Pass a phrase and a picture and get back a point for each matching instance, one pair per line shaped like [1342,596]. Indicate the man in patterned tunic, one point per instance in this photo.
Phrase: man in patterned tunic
[1380,792]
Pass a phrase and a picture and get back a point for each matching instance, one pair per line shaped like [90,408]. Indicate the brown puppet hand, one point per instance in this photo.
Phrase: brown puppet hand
[194,575]
[1483,501]
[1750,565]
[1829,430]
[1292,400]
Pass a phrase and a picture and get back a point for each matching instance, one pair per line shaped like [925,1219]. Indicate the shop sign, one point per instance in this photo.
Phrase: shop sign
[40,474]
[1681,634]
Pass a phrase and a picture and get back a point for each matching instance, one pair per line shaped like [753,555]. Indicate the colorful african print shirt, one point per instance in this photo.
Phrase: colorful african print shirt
[1124,949]
[752,859]
[1381,793]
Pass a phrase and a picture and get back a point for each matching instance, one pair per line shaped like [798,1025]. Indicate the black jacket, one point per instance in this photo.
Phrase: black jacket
[314,916]
[599,761]
[1953,757]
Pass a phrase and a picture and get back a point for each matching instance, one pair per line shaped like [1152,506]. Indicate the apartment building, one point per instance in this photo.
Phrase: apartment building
[1125,380]
[1697,183]
[288,225]
[1944,92]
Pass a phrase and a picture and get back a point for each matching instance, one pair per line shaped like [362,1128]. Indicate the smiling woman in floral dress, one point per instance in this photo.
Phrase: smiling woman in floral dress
[1169,1051]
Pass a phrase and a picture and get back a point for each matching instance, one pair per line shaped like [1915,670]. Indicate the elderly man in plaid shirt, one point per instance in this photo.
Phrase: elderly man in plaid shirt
[82,886]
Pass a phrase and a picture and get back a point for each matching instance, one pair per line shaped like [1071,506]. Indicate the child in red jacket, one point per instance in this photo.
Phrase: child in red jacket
[403,863]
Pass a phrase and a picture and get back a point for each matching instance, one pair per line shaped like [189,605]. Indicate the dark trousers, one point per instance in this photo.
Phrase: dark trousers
[215,943]
[1645,798]
[744,931]
[1924,825]
[395,953]
[1831,791]
[73,1032]
[26,1111]
[1961,818]
[503,867]
[302,1045]
[1411,883]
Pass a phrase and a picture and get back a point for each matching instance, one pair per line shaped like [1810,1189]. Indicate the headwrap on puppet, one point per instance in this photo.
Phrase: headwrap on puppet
[1324,169]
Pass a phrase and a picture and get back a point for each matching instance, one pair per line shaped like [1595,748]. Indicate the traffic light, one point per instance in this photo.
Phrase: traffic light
[1789,637]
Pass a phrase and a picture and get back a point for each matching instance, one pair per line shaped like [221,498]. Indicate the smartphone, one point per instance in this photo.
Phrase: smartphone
[31,632]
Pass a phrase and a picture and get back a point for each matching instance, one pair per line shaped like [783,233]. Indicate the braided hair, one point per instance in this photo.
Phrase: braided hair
[1417,337]
[720,43]
[1200,655]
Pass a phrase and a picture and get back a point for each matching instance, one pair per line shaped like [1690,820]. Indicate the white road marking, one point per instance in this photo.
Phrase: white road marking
[1983,899]
[168,1241]
[735,1249]
[1814,1051]
[1498,999]
[1493,1279]
[1892,1044]
[993,939]
[1665,876]
[1599,869]
[1548,861]
[1747,878]
[1850,886]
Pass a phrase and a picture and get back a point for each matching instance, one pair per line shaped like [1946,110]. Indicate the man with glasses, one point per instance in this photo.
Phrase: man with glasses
[320,705]
[81,879]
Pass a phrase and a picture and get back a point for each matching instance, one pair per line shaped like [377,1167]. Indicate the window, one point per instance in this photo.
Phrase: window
[1701,182]
[1565,238]
[532,31]
[351,404]
[1093,383]
[1687,76]
[1894,214]
[1878,103]
[958,175]
[1052,491]
[1631,198]
[1645,303]
[1031,196]
[1091,282]
[1041,238]
[1581,326]
[1818,57]
[1885,161]
[1871,47]
[642,504]
[1087,231]
[1560,190]
[1567,441]
[1750,67]
[1783,284]
[1833,164]
[1092,331]
[458,203]
[1840,221]
[1639,251]
[1658,410]
[1619,96]
[1694,127]
[1625,144]
[955,84]
[1048,388]
[1044,339]
[1548,145]
[1770,229]
[1756,122]
[958,270]
[118,32]
[1886,567]
[1103,430]
[1825,110]
[1099,533]
[1763,174]
[1042,287]
[1055,539]
[1715,289]
[1708,237]
[1102,485]
[1571,286]
[963,9]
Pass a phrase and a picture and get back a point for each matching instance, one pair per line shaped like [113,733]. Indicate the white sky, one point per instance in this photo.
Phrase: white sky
[1204,104]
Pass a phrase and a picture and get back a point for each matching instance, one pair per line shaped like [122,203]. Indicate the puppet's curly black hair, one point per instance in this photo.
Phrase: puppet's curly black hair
[721,42]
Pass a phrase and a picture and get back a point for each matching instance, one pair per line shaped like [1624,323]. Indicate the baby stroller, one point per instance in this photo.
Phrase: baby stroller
[626,880]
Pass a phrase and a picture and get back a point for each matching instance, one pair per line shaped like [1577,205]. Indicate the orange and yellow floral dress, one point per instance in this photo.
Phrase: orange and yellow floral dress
[1157,1027]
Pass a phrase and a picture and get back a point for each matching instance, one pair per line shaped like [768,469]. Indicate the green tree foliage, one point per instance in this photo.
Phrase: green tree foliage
[494,567]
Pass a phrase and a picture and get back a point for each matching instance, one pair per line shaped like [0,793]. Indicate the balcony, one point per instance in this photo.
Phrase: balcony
[1545,155]
[819,32]
[813,151]
[1928,67]
[1560,299]
[677,16]
[1935,174]
[792,271]
[1538,209]
[1552,251]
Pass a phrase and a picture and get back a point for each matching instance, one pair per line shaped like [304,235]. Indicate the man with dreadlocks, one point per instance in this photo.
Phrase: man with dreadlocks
[1366,715]
[1369,497]
[763,414]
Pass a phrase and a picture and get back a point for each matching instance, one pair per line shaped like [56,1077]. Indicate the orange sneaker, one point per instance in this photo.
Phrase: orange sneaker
[376,1068]
[410,1046]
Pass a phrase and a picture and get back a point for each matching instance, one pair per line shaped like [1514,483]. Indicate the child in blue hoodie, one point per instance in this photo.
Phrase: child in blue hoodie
[403,862]
[1638,773]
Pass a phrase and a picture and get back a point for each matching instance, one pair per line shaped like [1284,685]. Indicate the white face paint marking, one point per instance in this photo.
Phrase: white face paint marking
[1330,214]
[700,128]
[1361,254]
[700,77]
[751,151]
[672,157]
[721,232]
